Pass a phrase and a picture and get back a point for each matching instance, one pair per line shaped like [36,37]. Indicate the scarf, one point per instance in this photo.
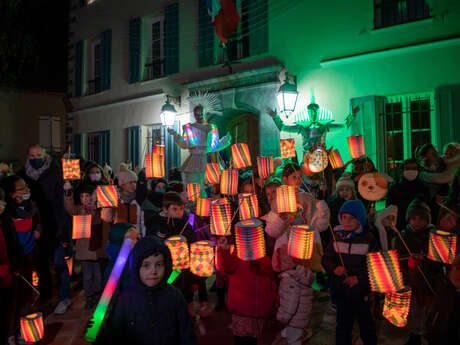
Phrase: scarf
[35,174]
[127,198]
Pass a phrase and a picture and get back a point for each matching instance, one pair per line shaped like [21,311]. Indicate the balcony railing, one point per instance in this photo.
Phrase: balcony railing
[238,48]
[94,86]
[154,69]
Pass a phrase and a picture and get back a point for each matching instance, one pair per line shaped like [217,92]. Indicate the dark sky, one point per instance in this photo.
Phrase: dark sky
[33,36]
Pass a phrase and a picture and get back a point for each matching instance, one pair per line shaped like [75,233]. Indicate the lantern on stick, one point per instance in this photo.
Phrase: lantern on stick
[35,279]
[193,191]
[336,160]
[286,200]
[107,196]
[241,156]
[301,242]
[249,239]
[202,258]
[212,173]
[384,271]
[356,146]
[220,218]
[158,150]
[396,307]
[287,147]
[71,169]
[69,263]
[81,226]
[179,252]
[154,165]
[266,166]
[229,182]
[32,329]
[318,160]
[249,206]
[442,246]
[203,207]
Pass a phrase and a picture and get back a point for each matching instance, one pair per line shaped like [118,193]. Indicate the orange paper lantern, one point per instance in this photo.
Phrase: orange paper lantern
[356,146]
[249,206]
[266,166]
[442,246]
[286,200]
[301,242]
[212,173]
[34,278]
[154,165]
[32,327]
[241,156]
[318,160]
[203,207]
[158,150]
[107,196]
[71,169]
[384,271]
[221,218]
[249,239]
[202,258]
[193,191]
[287,148]
[179,252]
[229,182]
[81,226]
[396,307]
[335,160]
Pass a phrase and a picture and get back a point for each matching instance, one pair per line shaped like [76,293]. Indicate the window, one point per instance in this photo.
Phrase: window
[94,80]
[49,133]
[238,44]
[98,147]
[394,12]
[155,136]
[155,63]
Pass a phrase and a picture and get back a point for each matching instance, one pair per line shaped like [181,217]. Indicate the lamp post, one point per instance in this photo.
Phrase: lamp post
[168,113]
[287,95]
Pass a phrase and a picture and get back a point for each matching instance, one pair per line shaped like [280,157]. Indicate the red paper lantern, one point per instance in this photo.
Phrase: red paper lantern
[81,226]
[286,200]
[249,206]
[202,258]
[356,146]
[241,156]
[229,182]
[71,169]
[442,246]
[154,165]
[203,207]
[287,148]
[384,271]
[249,239]
[220,218]
[193,191]
[335,160]
[301,242]
[32,329]
[212,173]
[266,166]
[179,252]
[107,196]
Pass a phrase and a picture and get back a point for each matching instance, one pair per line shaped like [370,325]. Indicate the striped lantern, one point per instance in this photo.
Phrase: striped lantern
[154,165]
[81,226]
[266,166]
[179,252]
[249,206]
[301,242]
[202,258]
[241,156]
[221,218]
[396,307]
[212,173]
[69,262]
[356,146]
[335,160]
[71,169]
[384,271]
[193,191]
[442,246]
[229,182]
[287,147]
[158,150]
[318,160]
[286,200]
[35,279]
[32,329]
[203,207]
[249,239]
[107,196]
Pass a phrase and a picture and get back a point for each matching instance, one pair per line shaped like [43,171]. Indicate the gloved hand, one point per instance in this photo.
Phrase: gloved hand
[414,262]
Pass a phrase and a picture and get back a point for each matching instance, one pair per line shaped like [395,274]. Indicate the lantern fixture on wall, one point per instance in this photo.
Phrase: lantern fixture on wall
[179,252]
[202,258]
[301,242]
[168,113]
[32,327]
[287,95]
[249,239]
[384,271]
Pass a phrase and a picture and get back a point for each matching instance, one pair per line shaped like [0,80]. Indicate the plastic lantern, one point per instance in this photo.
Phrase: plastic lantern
[32,329]
[203,207]
[69,262]
[193,191]
[202,258]
[335,160]
[158,150]
[71,169]
[318,161]
[396,307]
[249,239]
[287,148]
[266,166]
[249,206]
[241,156]
[372,186]
[154,165]
[301,242]
[212,173]
[356,146]
[384,271]
[442,246]
[81,226]
[35,279]
[179,252]
[107,196]
[221,218]
[229,182]
[286,200]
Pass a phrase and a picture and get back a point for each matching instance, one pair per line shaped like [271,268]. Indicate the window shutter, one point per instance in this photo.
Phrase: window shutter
[447,105]
[171,39]
[258,27]
[205,36]
[106,60]
[135,50]
[172,151]
[79,69]
[104,147]
[77,144]
[133,144]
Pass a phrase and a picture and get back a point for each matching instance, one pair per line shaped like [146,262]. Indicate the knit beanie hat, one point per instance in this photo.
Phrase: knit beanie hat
[345,181]
[356,209]
[126,177]
[418,208]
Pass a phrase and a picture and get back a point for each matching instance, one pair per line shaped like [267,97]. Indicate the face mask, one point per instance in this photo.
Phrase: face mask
[410,175]
[162,191]
[26,196]
[36,163]
[95,177]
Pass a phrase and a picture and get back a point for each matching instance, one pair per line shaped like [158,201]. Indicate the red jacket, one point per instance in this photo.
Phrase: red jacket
[251,284]
[5,274]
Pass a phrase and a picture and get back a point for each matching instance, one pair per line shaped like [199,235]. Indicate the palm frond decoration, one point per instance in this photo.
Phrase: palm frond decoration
[210,102]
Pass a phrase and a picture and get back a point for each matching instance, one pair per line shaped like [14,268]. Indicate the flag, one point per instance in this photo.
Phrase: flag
[225,17]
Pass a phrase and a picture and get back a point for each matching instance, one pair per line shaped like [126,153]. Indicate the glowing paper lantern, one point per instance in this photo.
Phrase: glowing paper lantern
[34,278]
[356,146]
[179,252]
[396,307]
[335,160]
[32,329]
[229,182]
[442,246]
[286,200]
[287,148]
[202,258]
[69,262]
[81,226]
[221,218]
[212,173]
[107,196]
[301,242]
[372,186]
[193,191]
[158,150]
[154,165]
[241,156]
[249,239]
[249,206]
[203,207]
[318,160]
[71,169]
[384,271]
[266,166]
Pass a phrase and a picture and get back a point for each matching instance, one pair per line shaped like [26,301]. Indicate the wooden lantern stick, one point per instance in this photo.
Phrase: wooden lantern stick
[448,209]
[253,183]
[231,221]
[28,283]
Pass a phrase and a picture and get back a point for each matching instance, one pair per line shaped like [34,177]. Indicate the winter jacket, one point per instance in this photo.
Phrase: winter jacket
[251,284]
[444,176]
[5,274]
[277,228]
[13,248]
[125,213]
[385,235]
[296,297]
[149,315]
[162,228]
[321,217]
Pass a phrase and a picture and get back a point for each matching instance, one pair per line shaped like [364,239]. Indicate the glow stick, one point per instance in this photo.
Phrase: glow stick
[173,276]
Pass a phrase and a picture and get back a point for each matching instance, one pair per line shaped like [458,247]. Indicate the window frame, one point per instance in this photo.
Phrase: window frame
[92,77]
[150,22]
[379,5]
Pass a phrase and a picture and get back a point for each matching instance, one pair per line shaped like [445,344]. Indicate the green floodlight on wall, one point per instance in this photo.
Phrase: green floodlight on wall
[287,95]
[168,113]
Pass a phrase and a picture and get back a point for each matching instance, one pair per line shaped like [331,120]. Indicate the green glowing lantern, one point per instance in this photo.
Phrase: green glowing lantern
[287,95]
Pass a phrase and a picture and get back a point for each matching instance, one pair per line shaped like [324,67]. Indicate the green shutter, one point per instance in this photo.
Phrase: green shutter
[172,151]
[205,36]
[78,68]
[447,115]
[133,144]
[258,27]
[135,33]
[104,147]
[106,60]
[171,39]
